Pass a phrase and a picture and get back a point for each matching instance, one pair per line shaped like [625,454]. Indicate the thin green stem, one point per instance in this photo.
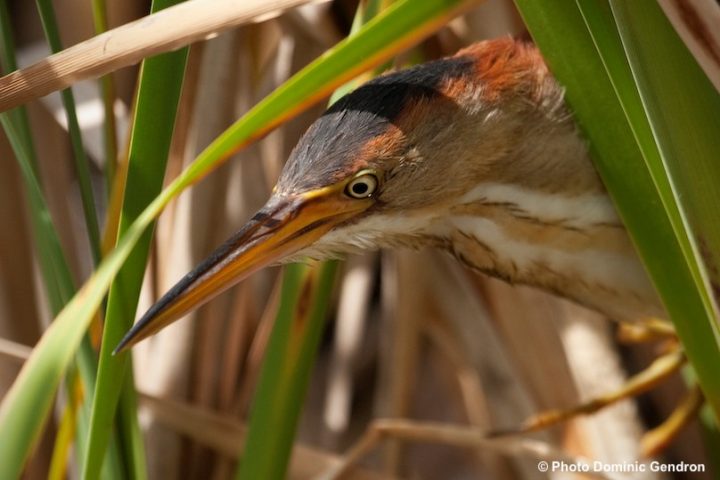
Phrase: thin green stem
[55,271]
[82,165]
[8,64]
[160,84]
[285,373]
[107,86]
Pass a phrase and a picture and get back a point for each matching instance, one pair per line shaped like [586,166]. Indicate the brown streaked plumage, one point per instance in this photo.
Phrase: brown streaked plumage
[476,154]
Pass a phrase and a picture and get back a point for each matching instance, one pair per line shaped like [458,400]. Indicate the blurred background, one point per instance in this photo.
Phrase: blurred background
[410,335]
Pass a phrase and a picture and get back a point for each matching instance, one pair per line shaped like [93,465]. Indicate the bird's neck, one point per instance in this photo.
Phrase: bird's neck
[573,245]
[540,215]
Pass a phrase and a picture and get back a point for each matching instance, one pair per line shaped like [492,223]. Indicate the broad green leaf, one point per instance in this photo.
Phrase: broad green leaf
[88,370]
[286,369]
[107,86]
[160,84]
[568,46]
[683,109]
[82,168]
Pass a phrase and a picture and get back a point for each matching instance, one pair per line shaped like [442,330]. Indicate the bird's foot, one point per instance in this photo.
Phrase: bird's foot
[647,330]
[657,372]
[655,440]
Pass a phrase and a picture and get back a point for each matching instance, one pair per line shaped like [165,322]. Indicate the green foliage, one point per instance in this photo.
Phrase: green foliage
[159,88]
[582,46]
[54,268]
[82,167]
[286,370]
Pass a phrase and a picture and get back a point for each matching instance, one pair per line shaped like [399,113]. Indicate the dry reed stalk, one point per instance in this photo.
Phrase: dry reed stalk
[18,297]
[17,352]
[551,341]
[400,348]
[447,342]
[506,396]
[460,437]
[227,435]
[353,310]
[167,30]
[61,194]
[613,434]
[524,318]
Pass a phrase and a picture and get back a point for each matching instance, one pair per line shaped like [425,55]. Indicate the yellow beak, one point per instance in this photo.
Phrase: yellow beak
[284,226]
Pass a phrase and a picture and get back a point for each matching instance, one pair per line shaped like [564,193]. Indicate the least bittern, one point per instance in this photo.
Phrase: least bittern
[476,154]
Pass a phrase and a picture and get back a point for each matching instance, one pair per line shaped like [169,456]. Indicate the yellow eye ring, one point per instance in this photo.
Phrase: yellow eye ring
[363,185]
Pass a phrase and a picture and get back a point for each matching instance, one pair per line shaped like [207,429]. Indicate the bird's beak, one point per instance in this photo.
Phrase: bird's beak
[284,226]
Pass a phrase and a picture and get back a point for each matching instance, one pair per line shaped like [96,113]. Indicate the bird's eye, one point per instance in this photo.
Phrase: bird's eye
[362,186]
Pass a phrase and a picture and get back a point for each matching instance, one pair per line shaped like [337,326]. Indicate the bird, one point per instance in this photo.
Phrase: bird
[476,154]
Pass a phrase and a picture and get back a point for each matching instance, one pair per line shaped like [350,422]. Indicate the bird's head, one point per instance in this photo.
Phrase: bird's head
[375,170]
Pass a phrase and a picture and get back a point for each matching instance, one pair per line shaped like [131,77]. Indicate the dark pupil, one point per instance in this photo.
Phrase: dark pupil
[360,188]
